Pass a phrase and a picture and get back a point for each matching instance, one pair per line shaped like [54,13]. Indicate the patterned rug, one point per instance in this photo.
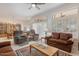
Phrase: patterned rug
[26,52]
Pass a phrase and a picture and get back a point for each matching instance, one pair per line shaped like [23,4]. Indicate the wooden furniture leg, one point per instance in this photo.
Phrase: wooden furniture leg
[30,49]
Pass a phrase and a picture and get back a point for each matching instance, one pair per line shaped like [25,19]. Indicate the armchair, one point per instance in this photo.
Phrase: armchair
[18,37]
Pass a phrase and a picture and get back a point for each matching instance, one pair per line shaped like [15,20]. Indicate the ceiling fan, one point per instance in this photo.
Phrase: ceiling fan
[35,5]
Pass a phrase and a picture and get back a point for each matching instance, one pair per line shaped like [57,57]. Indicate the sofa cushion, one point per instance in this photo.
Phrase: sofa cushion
[58,41]
[69,42]
[5,49]
[8,54]
[65,36]
[55,35]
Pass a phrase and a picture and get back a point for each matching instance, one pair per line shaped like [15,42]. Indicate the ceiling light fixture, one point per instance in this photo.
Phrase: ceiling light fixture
[36,5]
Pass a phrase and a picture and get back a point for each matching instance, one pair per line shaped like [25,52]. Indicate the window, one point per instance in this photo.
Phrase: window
[40,28]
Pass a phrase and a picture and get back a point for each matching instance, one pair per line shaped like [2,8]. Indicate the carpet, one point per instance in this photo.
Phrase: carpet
[26,52]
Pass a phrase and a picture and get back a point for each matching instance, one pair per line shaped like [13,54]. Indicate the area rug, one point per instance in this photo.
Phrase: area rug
[26,52]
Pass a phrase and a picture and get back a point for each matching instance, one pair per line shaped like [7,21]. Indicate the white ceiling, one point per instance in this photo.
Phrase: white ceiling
[21,9]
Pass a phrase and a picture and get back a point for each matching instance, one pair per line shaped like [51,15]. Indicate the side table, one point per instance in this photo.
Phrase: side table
[45,39]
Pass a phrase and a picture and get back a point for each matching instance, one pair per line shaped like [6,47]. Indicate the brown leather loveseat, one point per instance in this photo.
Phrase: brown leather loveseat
[5,49]
[61,40]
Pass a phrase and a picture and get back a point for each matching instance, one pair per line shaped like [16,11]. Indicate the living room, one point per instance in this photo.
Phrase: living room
[39,29]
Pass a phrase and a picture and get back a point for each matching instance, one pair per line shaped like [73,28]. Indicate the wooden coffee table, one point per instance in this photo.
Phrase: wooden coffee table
[48,51]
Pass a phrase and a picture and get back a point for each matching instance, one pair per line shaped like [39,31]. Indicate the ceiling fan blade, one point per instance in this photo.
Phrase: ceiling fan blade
[39,3]
[37,7]
[30,7]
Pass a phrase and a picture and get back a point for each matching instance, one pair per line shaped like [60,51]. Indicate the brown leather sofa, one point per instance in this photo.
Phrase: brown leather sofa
[6,50]
[61,41]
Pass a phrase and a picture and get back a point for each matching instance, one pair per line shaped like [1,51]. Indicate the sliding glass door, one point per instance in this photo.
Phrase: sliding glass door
[40,28]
